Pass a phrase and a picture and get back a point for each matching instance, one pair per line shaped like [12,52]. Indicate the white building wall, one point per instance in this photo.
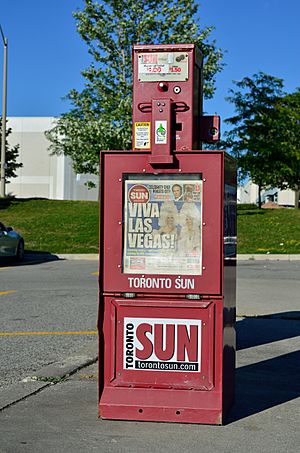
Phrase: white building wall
[43,175]
[248,193]
[286,197]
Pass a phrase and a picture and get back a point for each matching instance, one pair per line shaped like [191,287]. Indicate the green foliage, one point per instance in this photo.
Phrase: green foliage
[12,153]
[285,141]
[249,139]
[265,132]
[101,115]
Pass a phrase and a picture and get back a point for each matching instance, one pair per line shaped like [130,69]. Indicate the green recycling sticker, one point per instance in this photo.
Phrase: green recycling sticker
[161,132]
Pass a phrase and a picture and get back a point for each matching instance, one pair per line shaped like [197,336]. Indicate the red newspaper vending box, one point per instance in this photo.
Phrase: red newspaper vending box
[167,253]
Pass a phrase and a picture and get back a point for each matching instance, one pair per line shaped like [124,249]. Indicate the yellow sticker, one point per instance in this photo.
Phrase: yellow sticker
[142,135]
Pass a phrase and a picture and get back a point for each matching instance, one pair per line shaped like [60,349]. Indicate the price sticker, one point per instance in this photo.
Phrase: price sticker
[154,69]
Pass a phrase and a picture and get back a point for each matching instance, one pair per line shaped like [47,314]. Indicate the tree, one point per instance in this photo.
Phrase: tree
[285,142]
[11,155]
[265,136]
[101,114]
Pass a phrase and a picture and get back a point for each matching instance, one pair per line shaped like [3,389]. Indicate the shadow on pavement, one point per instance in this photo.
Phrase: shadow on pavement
[30,258]
[256,331]
[268,383]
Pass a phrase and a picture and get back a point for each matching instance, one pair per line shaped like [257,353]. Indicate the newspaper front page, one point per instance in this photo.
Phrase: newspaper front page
[162,226]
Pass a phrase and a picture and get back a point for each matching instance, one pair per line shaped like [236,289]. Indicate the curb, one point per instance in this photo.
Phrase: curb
[268,257]
[291,316]
[78,256]
[60,370]
[48,375]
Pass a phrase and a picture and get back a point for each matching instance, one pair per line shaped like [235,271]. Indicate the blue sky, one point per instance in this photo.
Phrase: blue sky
[46,53]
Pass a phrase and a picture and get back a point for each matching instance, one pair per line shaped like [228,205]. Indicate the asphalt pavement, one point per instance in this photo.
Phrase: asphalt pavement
[55,408]
[48,313]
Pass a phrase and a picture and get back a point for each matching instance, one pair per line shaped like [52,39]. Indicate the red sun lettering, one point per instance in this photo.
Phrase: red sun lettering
[168,352]
[187,343]
[141,331]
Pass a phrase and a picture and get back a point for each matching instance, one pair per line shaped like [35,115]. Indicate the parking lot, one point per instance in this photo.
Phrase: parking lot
[49,312]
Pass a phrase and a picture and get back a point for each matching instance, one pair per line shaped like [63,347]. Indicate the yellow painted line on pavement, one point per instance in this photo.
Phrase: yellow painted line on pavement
[3,293]
[7,267]
[95,273]
[17,334]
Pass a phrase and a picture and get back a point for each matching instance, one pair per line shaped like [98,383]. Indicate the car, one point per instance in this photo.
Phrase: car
[11,243]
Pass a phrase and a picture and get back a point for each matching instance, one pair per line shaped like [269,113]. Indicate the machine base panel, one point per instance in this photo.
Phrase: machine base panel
[161,406]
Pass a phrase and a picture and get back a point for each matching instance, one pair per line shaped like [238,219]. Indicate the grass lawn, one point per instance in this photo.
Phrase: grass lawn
[54,226]
[268,230]
[72,226]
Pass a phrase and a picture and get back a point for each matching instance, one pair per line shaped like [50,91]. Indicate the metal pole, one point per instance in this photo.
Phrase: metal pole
[3,132]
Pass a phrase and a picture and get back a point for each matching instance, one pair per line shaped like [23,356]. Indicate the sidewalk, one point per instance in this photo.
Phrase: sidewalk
[58,412]
[63,417]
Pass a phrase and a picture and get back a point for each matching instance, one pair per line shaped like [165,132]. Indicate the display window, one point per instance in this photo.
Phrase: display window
[162,226]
